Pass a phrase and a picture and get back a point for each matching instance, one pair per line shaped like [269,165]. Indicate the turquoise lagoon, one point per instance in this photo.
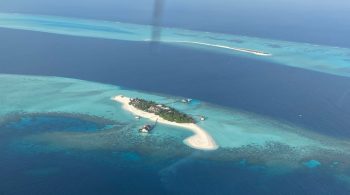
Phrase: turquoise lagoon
[331,60]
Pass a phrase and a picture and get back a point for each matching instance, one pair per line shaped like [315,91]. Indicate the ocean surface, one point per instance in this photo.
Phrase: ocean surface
[63,136]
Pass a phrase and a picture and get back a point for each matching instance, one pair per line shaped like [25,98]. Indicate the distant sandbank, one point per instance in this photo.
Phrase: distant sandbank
[255,52]
[200,140]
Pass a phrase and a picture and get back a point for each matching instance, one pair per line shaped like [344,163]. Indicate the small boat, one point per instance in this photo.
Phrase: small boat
[186,100]
[202,118]
[137,117]
[146,129]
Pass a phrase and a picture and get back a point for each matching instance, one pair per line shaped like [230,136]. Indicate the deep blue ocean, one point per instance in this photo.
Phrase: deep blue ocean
[279,92]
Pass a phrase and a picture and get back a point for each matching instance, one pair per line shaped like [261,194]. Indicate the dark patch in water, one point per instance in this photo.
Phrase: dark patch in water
[186,35]
[214,38]
[274,45]
[237,41]
[236,179]
[54,122]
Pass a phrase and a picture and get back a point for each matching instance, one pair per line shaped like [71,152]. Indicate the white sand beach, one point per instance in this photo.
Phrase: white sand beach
[255,52]
[200,140]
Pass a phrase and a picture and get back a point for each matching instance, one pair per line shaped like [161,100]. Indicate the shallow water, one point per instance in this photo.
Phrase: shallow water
[60,95]
[252,148]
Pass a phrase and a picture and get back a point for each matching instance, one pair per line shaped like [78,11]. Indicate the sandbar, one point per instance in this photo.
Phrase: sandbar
[201,139]
[250,51]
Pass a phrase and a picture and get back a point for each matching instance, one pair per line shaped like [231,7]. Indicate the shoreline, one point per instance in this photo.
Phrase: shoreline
[200,140]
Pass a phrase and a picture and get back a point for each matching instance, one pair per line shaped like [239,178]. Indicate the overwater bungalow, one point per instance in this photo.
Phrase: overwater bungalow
[186,101]
[146,129]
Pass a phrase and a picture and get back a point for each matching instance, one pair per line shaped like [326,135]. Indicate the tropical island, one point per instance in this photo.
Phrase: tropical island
[163,114]
[161,110]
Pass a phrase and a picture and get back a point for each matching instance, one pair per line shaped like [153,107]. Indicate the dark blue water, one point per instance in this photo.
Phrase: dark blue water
[33,170]
[317,101]
[51,123]
[97,178]
[108,172]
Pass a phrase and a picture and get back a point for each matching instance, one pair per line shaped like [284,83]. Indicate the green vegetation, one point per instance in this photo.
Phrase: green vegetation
[167,113]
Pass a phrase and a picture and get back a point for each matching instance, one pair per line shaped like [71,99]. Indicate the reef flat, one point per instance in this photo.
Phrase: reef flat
[326,59]
[234,132]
